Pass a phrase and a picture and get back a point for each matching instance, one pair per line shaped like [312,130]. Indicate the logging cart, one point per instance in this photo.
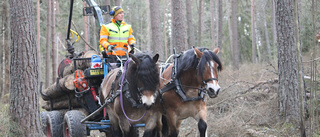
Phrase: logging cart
[72,104]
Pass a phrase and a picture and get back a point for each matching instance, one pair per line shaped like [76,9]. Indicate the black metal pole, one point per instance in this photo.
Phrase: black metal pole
[70,47]
[70,18]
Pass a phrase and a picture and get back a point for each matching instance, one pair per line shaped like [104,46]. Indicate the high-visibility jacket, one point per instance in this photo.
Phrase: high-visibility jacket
[111,34]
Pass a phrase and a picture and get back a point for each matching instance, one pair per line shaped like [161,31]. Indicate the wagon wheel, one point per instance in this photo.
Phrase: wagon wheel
[54,124]
[43,121]
[72,126]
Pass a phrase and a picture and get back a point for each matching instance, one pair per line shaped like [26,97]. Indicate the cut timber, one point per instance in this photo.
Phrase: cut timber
[65,84]
[81,64]
[61,103]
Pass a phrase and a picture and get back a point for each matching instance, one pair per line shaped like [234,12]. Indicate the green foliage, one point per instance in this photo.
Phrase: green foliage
[8,128]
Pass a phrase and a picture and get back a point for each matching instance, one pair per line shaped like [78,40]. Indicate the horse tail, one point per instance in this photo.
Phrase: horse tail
[165,128]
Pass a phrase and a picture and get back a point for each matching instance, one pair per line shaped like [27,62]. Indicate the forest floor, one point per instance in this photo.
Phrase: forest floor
[246,106]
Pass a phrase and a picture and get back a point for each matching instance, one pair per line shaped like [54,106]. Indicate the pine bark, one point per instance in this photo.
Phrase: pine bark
[179,34]
[191,34]
[234,25]
[200,22]
[47,56]
[220,25]
[24,100]
[53,41]
[253,34]
[287,62]
[157,38]
[7,43]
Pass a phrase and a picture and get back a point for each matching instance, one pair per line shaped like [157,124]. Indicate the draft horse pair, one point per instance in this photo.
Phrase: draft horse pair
[178,94]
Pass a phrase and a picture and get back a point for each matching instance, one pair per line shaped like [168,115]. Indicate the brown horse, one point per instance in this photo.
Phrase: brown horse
[184,84]
[131,94]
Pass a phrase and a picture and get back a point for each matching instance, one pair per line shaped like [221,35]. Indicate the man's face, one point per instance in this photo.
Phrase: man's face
[119,16]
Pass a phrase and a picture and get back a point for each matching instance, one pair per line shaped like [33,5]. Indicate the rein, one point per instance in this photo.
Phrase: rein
[121,100]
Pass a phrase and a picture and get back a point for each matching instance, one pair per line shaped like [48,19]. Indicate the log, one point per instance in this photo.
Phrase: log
[65,84]
[61,103]
[81,64]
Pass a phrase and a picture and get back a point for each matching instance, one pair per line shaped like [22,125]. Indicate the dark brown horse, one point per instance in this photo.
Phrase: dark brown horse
[184,85]
[131,94]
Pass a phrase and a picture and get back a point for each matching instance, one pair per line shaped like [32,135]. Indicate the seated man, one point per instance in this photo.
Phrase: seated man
[115,36]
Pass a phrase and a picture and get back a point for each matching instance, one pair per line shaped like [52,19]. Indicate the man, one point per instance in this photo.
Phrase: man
[116,35]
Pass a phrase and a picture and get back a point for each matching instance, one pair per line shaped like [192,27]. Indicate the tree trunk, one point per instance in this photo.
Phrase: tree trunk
[165,30]
[179,34]
[54,47]
[108,18]
[148,31]
[7,51]
[229,24]
[253,34]
[220,25]
[191,34]
[24,99]
[117,2]
[48,29]
[200,23]
[274,29]
[300,73]
[287,63]
[235,46]
[157,38]
[85,20]
[213,33]
[268,57]
[38,40]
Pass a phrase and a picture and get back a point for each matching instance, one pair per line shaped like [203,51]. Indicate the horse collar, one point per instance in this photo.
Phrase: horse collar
[176,83]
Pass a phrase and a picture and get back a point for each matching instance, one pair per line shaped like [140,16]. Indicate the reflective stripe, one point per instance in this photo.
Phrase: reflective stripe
[118,38]
[131,41]
[104,43]
[117,49]
[131,36]
[104,36]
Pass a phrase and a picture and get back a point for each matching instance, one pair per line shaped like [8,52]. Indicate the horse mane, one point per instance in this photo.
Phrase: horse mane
[146,73]
[189,61]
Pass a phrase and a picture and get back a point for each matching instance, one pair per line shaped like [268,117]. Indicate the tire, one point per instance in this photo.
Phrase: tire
[43,121]
[54,124]
[72,126]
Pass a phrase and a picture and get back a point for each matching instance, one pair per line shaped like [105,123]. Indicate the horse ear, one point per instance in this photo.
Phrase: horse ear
[216,50]
[135,59]
[198,53]
[156,57]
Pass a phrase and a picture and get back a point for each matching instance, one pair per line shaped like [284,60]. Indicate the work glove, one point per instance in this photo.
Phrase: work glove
[104,54]
[110,47]
[131,49]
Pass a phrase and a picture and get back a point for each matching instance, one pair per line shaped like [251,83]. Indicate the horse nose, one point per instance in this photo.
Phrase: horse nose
[148,106]
[148,101]
[218,91]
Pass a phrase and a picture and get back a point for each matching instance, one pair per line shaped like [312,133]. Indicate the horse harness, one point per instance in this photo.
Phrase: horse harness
[125,90]
[175,83]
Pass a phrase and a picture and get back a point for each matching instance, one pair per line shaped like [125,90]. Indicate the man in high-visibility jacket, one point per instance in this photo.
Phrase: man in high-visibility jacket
[116,35]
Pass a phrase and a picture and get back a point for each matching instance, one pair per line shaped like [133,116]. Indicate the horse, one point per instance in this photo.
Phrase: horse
[184,84]
[131,95]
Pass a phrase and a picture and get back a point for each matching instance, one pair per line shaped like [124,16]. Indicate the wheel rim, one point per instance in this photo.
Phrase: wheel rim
[48,130]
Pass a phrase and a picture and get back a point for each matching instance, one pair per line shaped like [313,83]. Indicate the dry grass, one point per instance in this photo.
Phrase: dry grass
[247,105]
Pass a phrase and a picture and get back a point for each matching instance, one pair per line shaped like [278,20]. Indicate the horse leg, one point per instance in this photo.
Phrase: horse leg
[172,121]
[202,126]
[202,122]
[116,131]
[152,126]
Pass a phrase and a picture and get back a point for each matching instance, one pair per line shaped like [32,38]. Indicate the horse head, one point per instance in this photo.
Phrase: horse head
[143,78]
[208,67]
